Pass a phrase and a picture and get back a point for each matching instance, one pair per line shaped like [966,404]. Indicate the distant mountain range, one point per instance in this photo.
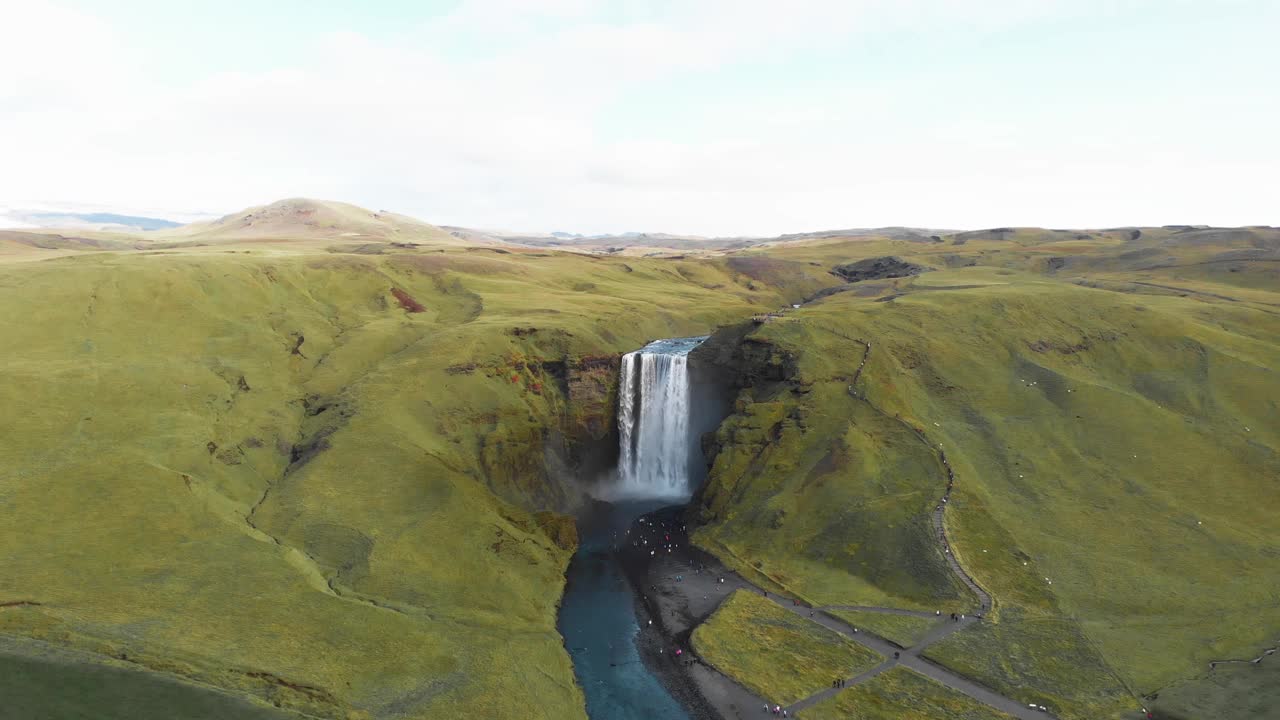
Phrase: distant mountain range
[303,218]
[103,219]
[82,220]
[307,218]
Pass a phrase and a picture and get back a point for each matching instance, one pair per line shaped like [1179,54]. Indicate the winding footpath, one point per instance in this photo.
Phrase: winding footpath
[984,598]
[1265,654]
[702,595]
[910,657]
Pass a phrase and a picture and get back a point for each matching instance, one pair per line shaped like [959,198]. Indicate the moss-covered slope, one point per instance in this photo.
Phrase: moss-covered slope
[312,479]
[1116,457]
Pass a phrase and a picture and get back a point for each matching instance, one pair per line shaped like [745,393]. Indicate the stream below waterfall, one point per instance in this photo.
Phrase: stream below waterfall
[600,627]
[663,408]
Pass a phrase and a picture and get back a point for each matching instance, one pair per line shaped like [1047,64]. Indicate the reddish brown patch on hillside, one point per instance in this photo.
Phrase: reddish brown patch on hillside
[311,691]
[407,302]
[20,603]
[593,362]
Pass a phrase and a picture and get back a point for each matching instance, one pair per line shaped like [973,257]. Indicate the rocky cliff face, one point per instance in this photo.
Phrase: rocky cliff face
[545,458]
[878,268]
[763,377]
[743,360]
[591,428]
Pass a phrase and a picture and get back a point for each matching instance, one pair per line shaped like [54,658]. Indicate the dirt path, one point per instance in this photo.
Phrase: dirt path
[681,587]
[684,587]
[1265,654]
[909,657]
[881,610]
[937,518]
[680,605]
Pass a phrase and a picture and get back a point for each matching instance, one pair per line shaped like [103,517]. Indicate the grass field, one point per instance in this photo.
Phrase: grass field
[900,694]
[905,630]
[1111,447]
[255,470]
[37,684]
[1229,691]
[780,506]
[1042,659]
[778,655]
[323,471]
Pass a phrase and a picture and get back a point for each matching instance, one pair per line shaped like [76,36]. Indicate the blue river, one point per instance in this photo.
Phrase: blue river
[598,622]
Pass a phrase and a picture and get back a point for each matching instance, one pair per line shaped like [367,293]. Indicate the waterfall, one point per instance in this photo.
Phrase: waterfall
[653,420]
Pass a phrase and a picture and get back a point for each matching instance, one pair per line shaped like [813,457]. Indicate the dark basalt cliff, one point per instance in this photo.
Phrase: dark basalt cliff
[879,268]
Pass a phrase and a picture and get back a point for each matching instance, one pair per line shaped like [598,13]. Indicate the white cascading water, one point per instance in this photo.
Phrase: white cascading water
[653,420]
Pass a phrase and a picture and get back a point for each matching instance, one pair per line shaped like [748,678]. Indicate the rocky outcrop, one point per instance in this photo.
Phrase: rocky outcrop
[743,360]
[761,373]
[562,529]
[879,268]
[542,458]
[591,391]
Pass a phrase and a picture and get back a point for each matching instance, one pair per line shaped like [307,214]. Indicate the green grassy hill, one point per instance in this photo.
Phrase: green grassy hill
[326,475]
[310,478]
[306,218]
[779,655]
[900,694]
[1116,455]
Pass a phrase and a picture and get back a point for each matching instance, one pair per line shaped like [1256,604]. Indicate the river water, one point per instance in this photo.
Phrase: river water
[599,625]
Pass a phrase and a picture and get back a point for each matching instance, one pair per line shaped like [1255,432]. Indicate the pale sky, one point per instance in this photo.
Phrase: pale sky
[716,117]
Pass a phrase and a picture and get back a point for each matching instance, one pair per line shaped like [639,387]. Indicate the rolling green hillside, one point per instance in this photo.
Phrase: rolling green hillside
[307,218]
[329,475]
[900,694]
[1115,449]
[311,478]
[776,653]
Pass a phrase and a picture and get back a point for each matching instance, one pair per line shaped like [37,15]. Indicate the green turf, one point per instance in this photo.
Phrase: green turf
[44,688]
[246,465]
[826,497]
[259,472]
[1111,443]
[777,654]
[905,630]
[1045,660]
[900,694]
[1248,690]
